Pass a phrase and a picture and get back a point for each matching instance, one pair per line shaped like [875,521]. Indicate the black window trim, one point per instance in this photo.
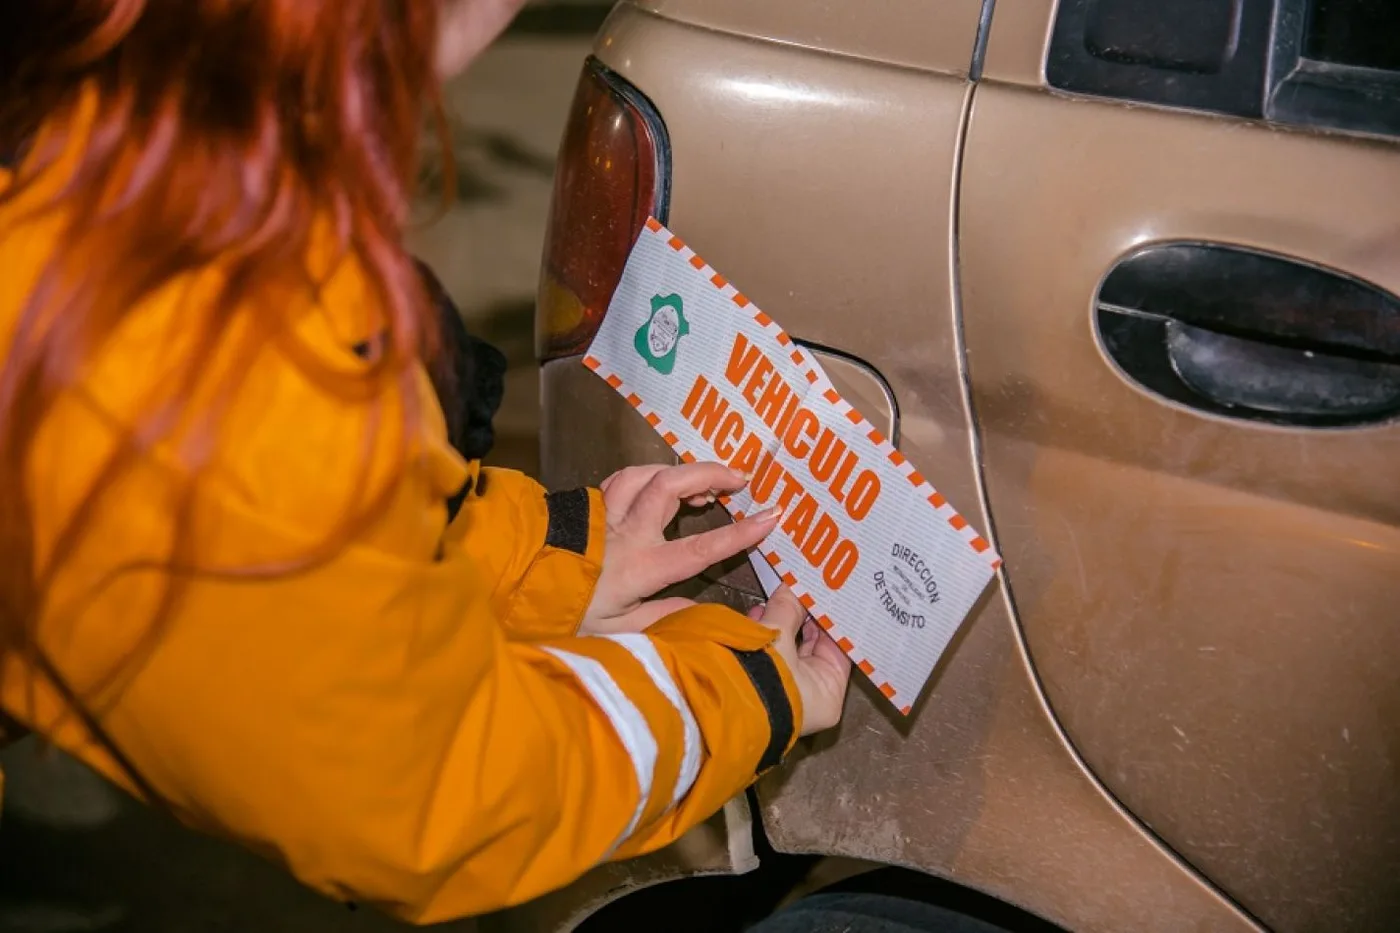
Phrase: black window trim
[1268,76]
[1311,93]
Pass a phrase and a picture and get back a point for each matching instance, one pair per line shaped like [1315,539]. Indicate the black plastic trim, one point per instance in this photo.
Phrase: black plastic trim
[1259,296]
[979,45]
[1141,349]
[1303,92]
[1239,333]
[1261,73]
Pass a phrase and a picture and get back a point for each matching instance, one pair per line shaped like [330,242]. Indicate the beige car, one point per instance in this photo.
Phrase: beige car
[1121,277]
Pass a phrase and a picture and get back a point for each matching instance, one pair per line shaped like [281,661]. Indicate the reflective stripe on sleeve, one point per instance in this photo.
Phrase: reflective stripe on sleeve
[644,650]
[629,723]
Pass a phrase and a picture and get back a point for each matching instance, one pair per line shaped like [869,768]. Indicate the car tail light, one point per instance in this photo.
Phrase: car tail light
[613,173]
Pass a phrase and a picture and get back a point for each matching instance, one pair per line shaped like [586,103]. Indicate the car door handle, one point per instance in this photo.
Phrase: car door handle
[1245,334]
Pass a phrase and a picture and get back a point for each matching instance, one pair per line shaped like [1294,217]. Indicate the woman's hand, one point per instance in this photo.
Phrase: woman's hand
[638,561]
[820,668]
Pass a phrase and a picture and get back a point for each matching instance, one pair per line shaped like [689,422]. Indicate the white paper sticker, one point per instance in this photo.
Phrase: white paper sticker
[877,555]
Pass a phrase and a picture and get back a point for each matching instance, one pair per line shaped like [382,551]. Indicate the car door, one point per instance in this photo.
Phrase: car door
[1179,242]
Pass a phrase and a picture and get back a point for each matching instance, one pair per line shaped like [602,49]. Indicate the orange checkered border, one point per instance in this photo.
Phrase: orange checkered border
[813,374]
[843,641]
[769,554]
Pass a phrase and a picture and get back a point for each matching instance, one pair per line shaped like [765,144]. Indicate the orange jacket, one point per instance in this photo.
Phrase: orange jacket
[414,723]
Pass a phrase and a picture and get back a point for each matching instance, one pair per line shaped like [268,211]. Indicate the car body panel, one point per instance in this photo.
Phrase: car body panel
[979,788]
[1212,604]
[932,35]
[854,163]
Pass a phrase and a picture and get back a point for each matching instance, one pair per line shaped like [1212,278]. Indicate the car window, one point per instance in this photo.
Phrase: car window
[1359,33]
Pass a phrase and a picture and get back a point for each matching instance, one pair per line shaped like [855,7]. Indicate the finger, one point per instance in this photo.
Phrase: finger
[810,633]
[832,677]
[784,613]
[629,481]
[674,561]
[613,477]
[710,497]
[620,490]
[829,652]
[755,612]
[657,503]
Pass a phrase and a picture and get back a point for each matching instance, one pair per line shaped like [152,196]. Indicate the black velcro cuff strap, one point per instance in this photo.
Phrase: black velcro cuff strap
[568,520]
[763,671]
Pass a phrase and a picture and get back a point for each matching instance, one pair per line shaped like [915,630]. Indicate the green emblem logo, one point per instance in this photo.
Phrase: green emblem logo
[656,340]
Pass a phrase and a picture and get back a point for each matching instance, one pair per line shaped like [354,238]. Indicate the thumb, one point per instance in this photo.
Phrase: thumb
[784,613]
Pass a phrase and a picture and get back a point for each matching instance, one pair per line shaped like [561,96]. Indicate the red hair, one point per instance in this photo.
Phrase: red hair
[225,132]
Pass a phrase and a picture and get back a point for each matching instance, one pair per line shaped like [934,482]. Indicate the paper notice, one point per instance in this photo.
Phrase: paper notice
[877,556]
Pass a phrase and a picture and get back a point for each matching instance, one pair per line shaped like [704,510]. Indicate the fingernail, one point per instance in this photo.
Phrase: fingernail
[769,515]
[710,498]
[748,478]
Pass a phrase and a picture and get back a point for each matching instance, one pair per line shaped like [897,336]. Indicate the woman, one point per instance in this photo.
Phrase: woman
[246,575]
